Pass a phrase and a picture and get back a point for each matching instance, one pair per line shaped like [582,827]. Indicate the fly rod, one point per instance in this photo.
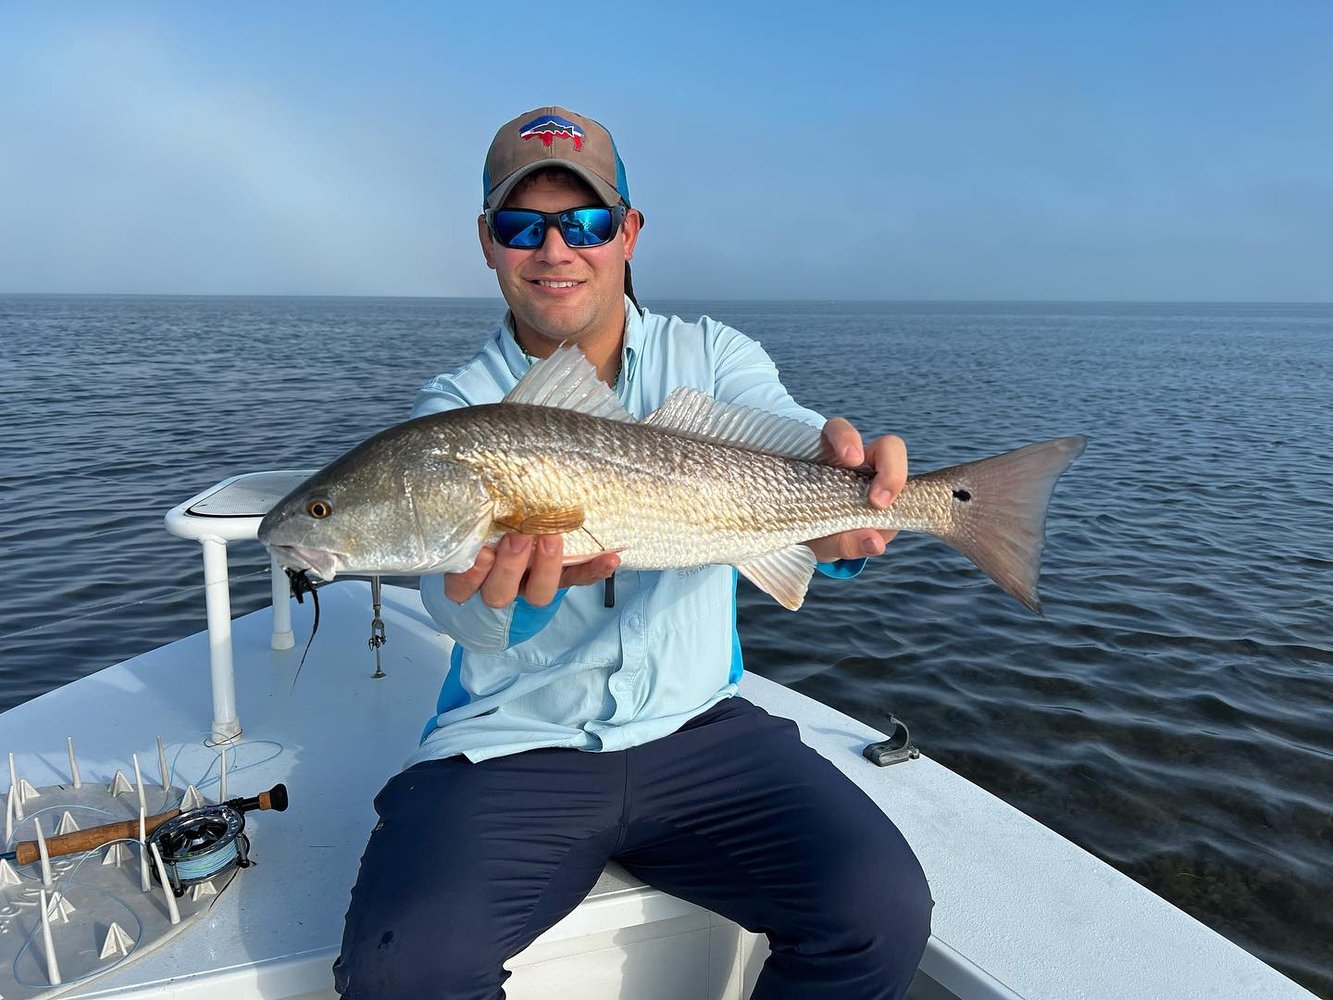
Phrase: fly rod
[96,836]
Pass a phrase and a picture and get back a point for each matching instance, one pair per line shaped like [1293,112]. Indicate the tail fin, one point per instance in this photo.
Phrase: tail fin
[1000,511]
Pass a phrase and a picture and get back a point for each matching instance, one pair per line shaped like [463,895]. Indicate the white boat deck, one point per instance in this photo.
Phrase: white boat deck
[1041,917]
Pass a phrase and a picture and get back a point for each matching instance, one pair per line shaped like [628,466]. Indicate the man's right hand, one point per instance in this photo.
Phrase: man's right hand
[527,565]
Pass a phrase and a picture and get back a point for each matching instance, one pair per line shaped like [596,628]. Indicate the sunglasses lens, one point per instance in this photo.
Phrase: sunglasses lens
[587,227]
[524,229]
[517,228]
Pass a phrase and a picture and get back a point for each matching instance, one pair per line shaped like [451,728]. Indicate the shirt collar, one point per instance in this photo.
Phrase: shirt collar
[633,339]
[509,349]
[518,361]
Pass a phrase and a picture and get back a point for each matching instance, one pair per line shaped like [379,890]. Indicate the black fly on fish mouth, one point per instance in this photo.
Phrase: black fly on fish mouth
[301,584]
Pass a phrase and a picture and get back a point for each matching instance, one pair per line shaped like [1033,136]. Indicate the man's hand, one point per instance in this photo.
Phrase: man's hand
[525,565]
[888,457]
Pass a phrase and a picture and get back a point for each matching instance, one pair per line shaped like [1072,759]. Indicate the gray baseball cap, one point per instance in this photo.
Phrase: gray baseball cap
[553,137]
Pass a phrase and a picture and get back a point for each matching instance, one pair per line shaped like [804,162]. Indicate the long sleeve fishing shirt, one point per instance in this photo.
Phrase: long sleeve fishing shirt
[576,673]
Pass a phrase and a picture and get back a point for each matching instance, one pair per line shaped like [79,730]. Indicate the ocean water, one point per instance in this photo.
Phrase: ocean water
[1172,712]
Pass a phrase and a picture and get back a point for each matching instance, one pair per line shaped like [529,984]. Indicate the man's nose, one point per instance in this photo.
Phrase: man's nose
[554,249]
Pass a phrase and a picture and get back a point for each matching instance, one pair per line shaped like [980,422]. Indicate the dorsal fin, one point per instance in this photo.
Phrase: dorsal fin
[697,414]
[567,380]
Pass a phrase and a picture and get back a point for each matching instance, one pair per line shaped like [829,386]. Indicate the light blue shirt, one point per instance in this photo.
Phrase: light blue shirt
[576,673]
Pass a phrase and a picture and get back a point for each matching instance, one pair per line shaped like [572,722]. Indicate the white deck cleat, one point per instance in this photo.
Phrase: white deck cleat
[8,877]
[197,892]
[116,853]
[117,943]
[120,785]
[67,824]
[192,799]
[59,908]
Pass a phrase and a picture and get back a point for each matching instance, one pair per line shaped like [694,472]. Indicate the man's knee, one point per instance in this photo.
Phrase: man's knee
[890,902]
[900,922]
[400,963]
[877,904]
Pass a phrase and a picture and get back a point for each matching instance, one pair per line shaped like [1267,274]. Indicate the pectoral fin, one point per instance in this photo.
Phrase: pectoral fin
[547,522]
[784,574]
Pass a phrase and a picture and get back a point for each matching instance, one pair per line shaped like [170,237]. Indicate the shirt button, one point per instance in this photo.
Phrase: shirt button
[633,621]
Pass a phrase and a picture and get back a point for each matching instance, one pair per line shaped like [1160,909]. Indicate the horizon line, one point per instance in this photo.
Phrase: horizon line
[684,298]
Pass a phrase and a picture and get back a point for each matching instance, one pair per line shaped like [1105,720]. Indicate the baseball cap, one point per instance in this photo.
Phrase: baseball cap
[553,137]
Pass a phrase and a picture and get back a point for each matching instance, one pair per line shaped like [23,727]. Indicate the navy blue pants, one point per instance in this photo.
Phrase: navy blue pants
[470,862]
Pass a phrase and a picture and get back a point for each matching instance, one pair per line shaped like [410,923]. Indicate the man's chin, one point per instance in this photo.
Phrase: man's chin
[558,323]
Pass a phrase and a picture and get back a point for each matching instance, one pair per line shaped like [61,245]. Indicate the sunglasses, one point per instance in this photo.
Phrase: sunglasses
[524,229]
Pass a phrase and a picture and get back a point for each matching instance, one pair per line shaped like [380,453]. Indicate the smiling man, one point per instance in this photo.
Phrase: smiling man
[558,292]
[580,723]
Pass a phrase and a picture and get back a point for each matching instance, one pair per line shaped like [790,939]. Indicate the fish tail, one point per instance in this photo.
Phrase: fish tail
[999,511]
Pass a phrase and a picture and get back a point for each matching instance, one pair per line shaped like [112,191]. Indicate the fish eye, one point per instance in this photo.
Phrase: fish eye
[319,509]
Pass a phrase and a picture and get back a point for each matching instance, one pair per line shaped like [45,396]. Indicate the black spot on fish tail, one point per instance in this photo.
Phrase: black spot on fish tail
[962,495]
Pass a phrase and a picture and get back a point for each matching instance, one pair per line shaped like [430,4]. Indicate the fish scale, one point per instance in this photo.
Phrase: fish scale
[664,501]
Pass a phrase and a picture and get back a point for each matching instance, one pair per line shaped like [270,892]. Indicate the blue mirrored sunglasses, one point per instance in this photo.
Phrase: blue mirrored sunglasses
[524,229]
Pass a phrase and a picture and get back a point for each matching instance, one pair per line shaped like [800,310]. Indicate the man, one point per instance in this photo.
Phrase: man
[580,722]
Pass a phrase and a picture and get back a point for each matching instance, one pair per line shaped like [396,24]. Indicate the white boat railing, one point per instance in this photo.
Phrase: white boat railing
[222,514]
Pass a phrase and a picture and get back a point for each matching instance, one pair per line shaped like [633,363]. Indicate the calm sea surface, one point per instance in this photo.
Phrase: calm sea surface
[1173,713]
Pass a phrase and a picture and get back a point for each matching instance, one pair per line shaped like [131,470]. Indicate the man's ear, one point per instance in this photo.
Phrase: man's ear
[630,227]
[487,243]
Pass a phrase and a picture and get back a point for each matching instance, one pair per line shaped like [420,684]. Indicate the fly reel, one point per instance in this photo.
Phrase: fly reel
[210,841]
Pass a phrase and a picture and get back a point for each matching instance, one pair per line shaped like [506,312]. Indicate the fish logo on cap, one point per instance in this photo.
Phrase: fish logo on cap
[549,127]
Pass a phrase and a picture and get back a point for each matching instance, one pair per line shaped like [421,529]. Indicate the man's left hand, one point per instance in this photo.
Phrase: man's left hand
[888,457]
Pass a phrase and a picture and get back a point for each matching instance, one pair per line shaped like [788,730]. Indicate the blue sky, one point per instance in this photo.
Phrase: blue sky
[837,150]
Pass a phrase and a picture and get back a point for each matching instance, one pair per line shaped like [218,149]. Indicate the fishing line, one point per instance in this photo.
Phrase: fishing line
[609,589]
[106,606]
[205,866]
[201,844]
[135,929]
[234,765]
[301,585]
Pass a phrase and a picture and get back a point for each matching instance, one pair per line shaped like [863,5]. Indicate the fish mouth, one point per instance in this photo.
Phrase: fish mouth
[321,561]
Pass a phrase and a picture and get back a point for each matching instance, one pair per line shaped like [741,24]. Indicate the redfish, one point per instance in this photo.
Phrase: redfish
[697,482]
